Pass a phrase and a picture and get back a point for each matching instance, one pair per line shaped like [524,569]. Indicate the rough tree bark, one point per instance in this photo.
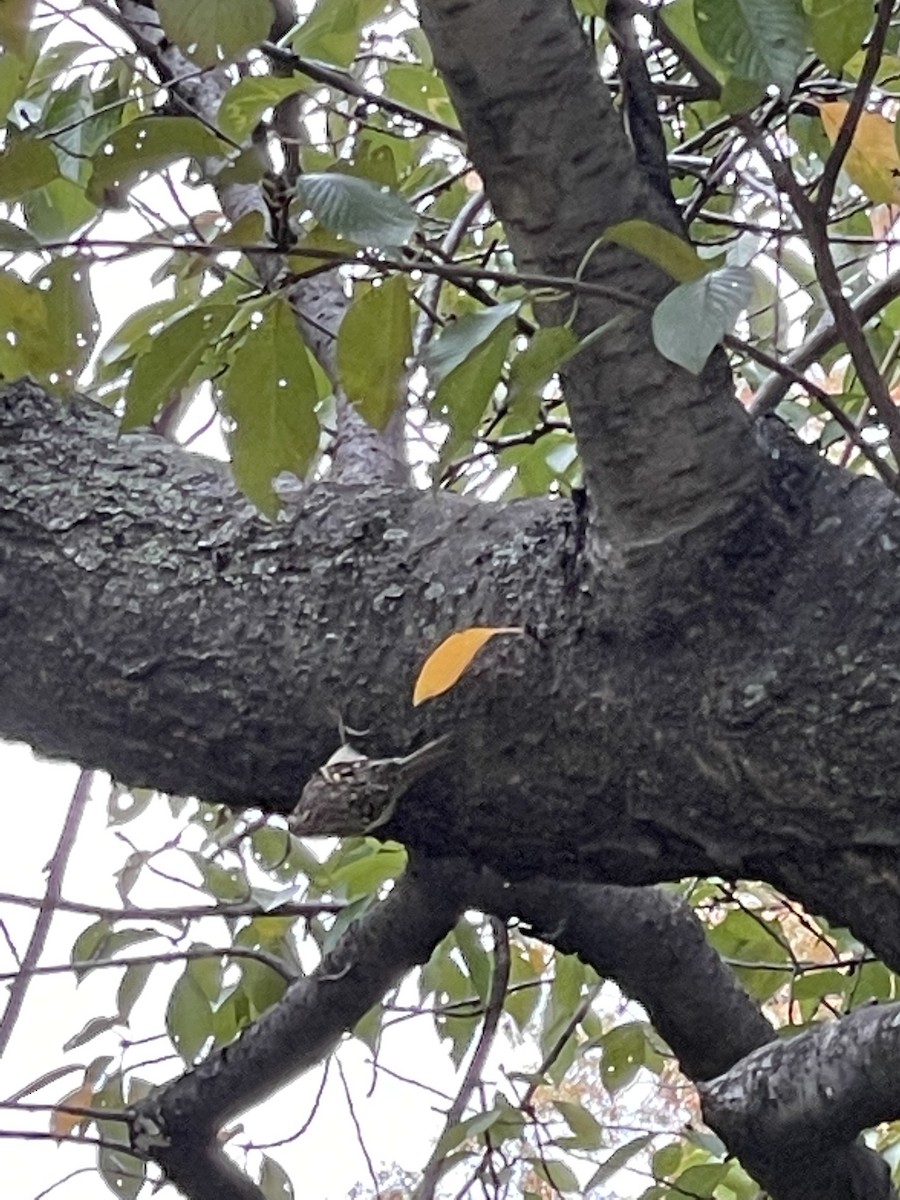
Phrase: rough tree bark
[708,683]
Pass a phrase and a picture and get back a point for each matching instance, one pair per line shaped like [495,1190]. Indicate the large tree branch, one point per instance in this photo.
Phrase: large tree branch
[662,456]
[645,939]
[176,1125]
[654,947]
[787,1106]
[153,624]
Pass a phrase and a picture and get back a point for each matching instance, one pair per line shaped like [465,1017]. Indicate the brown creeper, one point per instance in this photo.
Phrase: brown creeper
[351,794]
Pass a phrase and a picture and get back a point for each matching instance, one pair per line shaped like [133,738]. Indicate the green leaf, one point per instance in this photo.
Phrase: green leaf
[270,847]
[262,986]
[57,210]
[619,1158]
[625,1051]
[125,804]
[189,1020]
[122,1172]
[168,365]
[530,372]
[215,31]
[364,871]
[838,28]
[469,1128]
[420,90]
[25,164]
[463,396]
[695,317]
[130,987]
[13,78]
[24,327]
[560,1177]
[206,972]
[461,337]
[663,248]
[681,19]
[144,146]
[250,229]
[358,209]
[373,343]
[223,883]
[14,237]
[65,286]
[887,76]
[270,394]
[88,942]
[763,41]
[478,962]
[744,937]
[93,1028]
[588,1131]
[332,30]
[273,1180]
[134,337]
[246,102]
[368,1028]
[101,941]
[703,1179]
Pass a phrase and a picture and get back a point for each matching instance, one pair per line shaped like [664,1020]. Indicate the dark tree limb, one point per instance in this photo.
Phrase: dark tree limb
[645,939]
[176,1125]
[151,623]
[654,947]
[795,1136]
[785,1107]
[662,458]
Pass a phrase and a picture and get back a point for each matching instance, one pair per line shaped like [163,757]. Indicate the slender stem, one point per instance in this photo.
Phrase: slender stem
[828,178]
[492,1013]
[49,905]
[189,912]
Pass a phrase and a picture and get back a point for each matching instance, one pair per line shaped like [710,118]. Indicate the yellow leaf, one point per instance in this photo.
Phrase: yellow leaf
[872,160]
[444,665]
[63,1124]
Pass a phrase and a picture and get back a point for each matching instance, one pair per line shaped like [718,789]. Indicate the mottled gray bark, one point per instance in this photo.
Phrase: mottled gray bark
[662,455]
[151,623]
[788,1105]
[806,1100]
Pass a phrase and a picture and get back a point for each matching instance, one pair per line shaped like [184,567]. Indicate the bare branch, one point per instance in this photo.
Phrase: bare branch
[48,906]
[176,1125]
[787,1107]
[662,456]
[493,1010]
[654,947]
[824,337]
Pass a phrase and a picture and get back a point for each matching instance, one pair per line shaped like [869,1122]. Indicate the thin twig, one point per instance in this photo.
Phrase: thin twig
[834,410]
[21,978]
[835,160]
[823,338]
[262,956]
[492,1013]
[306,909]
[351,1108]
[851,332]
